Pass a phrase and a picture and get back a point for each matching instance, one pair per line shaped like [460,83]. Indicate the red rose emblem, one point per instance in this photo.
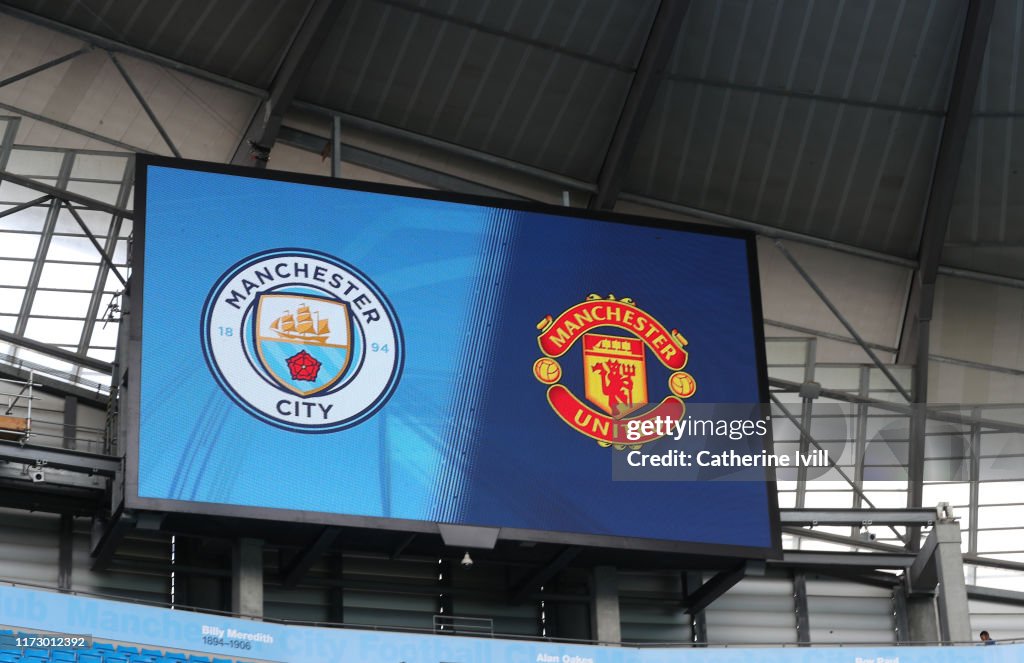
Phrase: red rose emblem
[304,367]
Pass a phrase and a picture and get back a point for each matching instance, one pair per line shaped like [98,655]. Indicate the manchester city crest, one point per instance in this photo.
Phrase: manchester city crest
[302,340]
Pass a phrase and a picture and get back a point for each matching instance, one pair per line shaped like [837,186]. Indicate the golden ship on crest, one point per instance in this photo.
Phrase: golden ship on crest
[302,327]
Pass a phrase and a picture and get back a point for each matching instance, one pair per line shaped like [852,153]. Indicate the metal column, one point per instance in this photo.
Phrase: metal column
[800,606]
[939,571]
[954,615]
[923,623]
[335,146]
[247,577]
[64,561]
[606,625]
[70,421]
[698,620]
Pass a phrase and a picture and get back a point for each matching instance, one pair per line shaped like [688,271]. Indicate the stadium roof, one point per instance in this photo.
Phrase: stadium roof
[823,118]
[886,126]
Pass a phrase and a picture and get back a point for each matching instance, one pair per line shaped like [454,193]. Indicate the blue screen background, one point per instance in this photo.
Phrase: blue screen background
[468,436]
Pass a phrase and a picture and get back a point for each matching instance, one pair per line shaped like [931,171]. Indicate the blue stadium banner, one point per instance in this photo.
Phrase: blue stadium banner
[160,628]
[396,358]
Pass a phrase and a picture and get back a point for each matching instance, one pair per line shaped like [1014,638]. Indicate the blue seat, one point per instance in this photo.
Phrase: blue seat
[103,645]
[142,658]
[199,659]
[175,656]
[10,657]
[62,655]
[152,652]
[84,657]
[125,649]
[222,660]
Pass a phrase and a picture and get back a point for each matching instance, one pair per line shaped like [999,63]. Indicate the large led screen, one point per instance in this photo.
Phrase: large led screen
[356,354]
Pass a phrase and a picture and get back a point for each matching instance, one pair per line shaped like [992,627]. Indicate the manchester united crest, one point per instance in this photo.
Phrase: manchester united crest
[617,338]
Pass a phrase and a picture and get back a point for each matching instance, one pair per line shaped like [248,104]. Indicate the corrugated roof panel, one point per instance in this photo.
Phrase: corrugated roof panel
[241,39]
[832,134]
[984,229]
[848,173]
[609,31]
[449,80]
[883,51]
[1001,88]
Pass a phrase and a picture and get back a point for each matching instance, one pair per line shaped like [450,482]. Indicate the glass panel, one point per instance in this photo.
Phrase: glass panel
[790,374]
[786,352]
[886,452]
[104,334]
[845,378]
[828,500]
[51,302]
[1001,492]
[1002,468]
[885,485]
[98,223]
[887,499]
[14,272]
[56,275]
[885,473]
[106,193]
[12,193]
[1001,516]
[45,360]
[18,245]
[889,396]
[56,332]
[999,578]
[954,469]
[887,425]
[878,381]
[998,444]
[32,219]
[72,248]
[886,533]
[112,284]
[1000,540]
[120,256]
[102,355]
[10,300]
[954,493]
[99,167]
[1014,415]
[8,322]
[839,428]
[936,427]
[830,475]
[34,163]
[953,445]
[94,376]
